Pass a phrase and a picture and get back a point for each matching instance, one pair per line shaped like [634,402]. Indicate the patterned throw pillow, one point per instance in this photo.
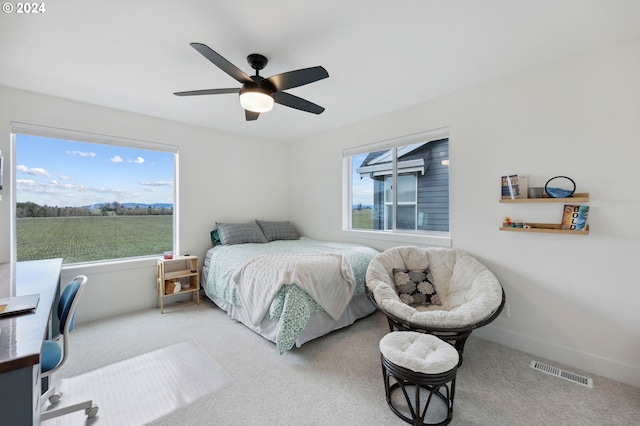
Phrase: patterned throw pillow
[415,287]
[278,230]
[240,233]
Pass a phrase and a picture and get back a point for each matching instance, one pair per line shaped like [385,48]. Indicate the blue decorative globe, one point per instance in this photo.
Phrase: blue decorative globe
[559,192]
[558,187]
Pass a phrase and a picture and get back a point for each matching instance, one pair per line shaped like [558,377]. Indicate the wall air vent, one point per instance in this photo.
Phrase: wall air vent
[567,375]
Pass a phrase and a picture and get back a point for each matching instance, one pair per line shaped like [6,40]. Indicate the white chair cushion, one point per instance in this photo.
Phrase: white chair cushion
[469,292]
[419,352]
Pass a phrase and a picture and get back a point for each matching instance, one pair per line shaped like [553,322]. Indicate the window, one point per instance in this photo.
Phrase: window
[89,198]
[406,207]
[399,186]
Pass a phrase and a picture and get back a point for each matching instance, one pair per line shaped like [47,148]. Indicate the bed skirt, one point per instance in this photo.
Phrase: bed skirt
[318,325]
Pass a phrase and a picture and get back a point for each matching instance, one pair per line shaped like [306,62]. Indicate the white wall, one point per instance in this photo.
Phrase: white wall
[573,299]
[221,178]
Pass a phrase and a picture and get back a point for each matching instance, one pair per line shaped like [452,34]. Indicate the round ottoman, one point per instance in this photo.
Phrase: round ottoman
[422,366]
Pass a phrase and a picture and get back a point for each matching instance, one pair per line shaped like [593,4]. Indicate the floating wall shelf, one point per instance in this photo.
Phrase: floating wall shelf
[581,197]
[545,228]
[548,228]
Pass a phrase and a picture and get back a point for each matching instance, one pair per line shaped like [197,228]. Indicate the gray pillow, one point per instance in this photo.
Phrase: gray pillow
[240,233]
[278,230]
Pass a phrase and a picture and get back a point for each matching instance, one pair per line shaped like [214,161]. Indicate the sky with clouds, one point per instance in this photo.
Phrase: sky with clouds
[64,173]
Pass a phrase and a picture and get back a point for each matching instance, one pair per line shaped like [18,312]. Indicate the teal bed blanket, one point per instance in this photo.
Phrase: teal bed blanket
[292,307]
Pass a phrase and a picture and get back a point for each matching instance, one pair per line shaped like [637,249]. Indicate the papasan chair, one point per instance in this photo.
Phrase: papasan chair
[440,291]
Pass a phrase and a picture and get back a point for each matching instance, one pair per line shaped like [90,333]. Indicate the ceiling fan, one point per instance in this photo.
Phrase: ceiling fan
[257,93]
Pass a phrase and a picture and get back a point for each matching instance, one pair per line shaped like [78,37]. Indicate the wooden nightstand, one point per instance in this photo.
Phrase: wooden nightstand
[181,268]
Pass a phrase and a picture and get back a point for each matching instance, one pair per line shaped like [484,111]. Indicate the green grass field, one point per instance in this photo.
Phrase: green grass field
[362,219]
[84,239]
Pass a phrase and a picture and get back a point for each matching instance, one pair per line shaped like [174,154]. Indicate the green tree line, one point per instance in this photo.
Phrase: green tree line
[30,209]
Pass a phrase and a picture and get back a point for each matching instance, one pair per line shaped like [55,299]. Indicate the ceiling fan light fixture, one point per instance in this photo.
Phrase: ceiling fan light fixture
[256,99]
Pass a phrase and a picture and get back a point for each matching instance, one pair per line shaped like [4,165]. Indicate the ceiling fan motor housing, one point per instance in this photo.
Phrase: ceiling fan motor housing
[259,83]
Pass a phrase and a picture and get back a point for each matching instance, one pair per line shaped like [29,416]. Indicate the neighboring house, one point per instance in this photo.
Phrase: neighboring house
[423,186]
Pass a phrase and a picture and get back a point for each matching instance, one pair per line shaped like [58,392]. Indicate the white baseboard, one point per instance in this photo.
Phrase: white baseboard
[589,363]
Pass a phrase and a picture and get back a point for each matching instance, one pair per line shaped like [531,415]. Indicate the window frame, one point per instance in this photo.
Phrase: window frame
[435,238]
[81,136]
[399,203]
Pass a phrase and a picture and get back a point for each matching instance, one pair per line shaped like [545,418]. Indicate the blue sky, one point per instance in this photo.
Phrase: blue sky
[362,189]
[63,173]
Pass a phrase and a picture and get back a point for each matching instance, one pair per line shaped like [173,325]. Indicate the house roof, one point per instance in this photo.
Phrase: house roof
[381,56]
[379,163]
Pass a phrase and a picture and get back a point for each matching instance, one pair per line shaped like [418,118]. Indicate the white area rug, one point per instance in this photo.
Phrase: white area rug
[139,390]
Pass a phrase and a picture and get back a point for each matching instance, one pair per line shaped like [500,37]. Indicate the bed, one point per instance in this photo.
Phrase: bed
[292,317]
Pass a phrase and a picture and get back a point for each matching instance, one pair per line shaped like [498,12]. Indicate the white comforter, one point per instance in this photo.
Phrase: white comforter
[328,278]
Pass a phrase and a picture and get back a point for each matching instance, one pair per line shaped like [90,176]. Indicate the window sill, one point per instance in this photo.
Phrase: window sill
[440,239]
[113,265]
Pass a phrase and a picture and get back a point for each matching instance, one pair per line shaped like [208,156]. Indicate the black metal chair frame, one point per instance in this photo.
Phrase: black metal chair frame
[457,337]
[434,384]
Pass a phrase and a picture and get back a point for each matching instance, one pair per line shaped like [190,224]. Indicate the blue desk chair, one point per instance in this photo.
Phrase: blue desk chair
[54,356]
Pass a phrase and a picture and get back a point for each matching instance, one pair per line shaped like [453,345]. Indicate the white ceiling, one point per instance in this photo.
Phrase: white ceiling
[381,55]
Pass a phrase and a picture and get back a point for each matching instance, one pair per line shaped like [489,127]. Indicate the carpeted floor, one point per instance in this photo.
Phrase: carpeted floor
[139,390]
[337,379]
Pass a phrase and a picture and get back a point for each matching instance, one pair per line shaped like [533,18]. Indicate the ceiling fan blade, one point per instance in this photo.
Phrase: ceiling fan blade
[291,79]
[221,62]
[250,115]
[207,92]
[292,101]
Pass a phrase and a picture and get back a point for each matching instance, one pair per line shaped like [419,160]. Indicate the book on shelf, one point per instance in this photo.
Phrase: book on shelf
[510,187]
[523,186]
[574,218]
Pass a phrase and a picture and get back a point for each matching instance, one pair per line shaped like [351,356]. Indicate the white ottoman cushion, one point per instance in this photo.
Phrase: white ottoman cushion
[419,352]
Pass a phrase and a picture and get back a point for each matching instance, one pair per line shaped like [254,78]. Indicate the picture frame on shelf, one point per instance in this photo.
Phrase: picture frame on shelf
[510,187]
[523,186]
